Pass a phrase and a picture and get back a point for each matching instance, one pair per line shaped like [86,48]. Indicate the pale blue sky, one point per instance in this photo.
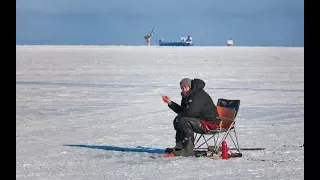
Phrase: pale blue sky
[125,22]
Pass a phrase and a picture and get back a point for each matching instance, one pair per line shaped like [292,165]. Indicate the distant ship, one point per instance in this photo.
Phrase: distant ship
[185,41]
[230,42]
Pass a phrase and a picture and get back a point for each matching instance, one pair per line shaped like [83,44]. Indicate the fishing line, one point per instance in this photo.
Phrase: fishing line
[155,89]
[159,92]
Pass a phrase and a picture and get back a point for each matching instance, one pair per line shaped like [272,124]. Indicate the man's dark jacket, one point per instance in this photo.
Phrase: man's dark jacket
[197,103]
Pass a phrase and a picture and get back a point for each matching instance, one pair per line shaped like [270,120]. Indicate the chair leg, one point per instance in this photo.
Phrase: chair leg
[197,140]
[217,143]
[222,139]
[234,139]
[237,146]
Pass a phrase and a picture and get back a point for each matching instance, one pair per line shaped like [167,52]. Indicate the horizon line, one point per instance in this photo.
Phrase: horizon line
[153,45]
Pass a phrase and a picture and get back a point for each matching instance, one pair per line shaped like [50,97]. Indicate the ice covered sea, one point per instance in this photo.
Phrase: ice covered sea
[108,96]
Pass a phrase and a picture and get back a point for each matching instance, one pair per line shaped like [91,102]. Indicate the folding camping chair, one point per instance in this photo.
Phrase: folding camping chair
[227,110]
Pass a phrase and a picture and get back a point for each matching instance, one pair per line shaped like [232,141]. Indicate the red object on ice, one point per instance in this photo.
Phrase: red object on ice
[224,150]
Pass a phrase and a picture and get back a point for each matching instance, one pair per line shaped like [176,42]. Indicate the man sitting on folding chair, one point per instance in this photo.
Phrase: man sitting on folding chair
[197,113]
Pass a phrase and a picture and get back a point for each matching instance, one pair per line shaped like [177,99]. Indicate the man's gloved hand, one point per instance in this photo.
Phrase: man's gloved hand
[166,99]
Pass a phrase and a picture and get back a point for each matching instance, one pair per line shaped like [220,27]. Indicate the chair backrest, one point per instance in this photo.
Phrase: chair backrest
[228,103]
[228,108]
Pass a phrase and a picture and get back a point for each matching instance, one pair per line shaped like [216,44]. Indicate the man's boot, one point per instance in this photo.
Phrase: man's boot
[187,147]
[175,150]
[179,138]
[178,145]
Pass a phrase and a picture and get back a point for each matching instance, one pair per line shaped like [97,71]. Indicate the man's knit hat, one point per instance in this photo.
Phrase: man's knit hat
[185,82]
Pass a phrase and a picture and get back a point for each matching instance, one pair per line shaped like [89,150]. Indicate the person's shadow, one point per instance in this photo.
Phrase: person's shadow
[123,149]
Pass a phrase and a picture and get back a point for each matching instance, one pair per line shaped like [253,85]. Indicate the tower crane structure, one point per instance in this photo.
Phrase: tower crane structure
[148,37]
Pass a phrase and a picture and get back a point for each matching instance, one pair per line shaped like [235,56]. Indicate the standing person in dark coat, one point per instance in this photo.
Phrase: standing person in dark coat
[196,113]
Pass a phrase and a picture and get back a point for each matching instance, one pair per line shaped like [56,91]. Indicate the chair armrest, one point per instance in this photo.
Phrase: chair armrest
[225,122]
[224,119]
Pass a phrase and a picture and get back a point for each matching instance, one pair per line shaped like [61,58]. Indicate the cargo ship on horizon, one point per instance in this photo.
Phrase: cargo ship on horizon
[184,41]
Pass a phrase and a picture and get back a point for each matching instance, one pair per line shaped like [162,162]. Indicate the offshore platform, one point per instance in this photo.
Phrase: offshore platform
[148,37]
